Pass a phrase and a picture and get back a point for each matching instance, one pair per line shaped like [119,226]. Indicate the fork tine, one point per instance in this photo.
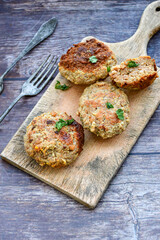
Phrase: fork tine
[34,74]
[41,73]
[49,77]
[43,77]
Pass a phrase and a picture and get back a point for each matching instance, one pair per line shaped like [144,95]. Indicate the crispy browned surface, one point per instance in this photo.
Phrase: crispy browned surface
[94,113]
[77,57]
[76,67]
[136,78]
[47,145]
[79,135]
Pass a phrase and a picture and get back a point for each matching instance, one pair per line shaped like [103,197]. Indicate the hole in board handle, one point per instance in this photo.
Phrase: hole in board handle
[158,9]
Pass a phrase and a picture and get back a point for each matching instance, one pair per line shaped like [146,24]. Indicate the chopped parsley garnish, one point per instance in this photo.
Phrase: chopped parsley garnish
[108,68]
[132,64]
[61,123]
[120,115]
[109,105]
[70,121]
[62,87]
[93,59]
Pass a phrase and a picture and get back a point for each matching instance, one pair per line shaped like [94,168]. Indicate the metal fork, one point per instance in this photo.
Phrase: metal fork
[36,82]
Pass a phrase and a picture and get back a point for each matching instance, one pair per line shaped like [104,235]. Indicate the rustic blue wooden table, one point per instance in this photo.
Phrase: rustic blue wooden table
[29,209]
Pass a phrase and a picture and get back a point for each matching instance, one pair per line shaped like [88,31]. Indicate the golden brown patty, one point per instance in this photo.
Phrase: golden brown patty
[76,66]
[137,77]
[98,108]
[44,143]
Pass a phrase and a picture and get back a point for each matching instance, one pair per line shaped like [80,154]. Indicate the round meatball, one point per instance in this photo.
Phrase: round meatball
[87,62]
[45,142]
[104,109]
[136,73]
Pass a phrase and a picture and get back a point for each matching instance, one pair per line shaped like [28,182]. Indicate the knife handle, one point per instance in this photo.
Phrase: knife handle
[45,31]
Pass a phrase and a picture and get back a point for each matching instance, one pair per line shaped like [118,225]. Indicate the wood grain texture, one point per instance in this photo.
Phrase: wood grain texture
[87,179]
[30,209]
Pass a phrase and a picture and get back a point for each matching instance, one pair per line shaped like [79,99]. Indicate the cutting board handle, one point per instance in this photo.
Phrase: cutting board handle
[136,45]
[149,24]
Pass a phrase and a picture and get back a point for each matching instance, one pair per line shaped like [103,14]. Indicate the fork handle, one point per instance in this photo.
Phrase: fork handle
[11,106]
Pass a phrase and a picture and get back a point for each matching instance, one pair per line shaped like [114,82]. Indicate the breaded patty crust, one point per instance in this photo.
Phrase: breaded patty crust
[48,145]
[76,66]
[136,73]
[100,107]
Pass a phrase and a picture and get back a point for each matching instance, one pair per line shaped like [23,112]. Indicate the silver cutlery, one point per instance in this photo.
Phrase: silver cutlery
[45,31]
[36,82]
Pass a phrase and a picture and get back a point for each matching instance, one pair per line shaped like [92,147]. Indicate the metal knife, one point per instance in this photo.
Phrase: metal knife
[45,31]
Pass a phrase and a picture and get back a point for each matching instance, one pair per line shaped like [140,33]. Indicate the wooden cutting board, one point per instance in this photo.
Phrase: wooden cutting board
[87,179]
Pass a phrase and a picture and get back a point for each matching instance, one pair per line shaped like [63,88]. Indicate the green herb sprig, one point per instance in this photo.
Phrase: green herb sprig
[109,105]
[108,68]
[93,59]
[61,123]
[61,87]
[132,64]
[120,113]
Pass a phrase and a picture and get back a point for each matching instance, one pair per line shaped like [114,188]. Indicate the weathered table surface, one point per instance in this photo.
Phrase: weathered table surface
[29,209]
